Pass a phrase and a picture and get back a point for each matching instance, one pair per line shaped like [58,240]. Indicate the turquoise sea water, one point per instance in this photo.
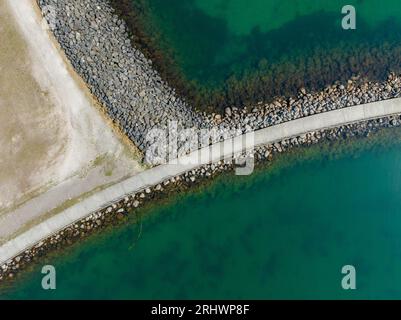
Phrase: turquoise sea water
[256,49]
[285,232]
[226,36]
[281,233]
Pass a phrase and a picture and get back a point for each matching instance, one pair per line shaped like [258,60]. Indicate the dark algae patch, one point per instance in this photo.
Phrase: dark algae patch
[219,53]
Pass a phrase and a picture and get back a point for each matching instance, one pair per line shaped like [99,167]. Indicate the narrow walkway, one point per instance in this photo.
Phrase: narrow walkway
[207,155]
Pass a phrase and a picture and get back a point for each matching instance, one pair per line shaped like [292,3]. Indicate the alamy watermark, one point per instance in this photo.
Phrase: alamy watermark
[348,282]
[196,147]
[49,280]
[349,20]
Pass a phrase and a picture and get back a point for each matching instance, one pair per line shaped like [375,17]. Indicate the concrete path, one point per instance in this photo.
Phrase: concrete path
[207,155]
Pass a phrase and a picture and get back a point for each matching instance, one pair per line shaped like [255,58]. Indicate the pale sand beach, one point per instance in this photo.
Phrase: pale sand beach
[55,144]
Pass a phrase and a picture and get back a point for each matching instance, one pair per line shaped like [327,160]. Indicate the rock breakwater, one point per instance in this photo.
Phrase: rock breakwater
[96,41]
[130,204]
[119,76]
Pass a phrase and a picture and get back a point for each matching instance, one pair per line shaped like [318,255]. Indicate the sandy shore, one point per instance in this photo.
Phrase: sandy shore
[55,145]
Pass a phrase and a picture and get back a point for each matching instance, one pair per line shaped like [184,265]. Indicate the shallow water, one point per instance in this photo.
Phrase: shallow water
[226,36]
[281,233]
[243,51]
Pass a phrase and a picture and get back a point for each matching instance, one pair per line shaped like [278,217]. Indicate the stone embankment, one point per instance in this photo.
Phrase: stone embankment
[130,204]
[305,104]
[119,76]
[97,43]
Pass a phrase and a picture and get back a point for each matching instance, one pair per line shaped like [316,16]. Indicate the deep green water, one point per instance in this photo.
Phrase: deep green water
[280,233]
[259,48]
[226,36]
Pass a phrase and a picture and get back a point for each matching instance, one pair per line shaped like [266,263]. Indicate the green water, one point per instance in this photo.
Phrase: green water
[280,233]
[259,48]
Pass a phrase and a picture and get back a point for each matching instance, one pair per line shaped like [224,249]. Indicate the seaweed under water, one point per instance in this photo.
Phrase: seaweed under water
[213,67]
